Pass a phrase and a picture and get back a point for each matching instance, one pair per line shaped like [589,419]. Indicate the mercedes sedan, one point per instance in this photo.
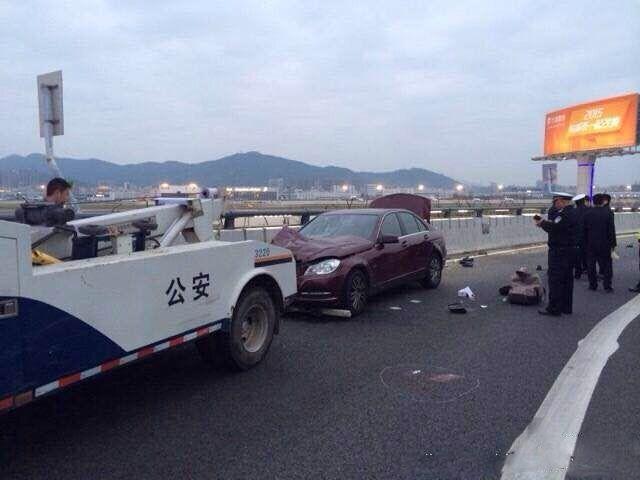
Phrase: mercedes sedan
[345,256]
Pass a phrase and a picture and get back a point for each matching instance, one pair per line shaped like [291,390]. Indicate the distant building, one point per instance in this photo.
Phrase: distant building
[251,193]
[276,185]
[168,190]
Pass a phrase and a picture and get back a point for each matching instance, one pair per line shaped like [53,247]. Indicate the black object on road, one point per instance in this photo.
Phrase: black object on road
[466,262]
[504,290]
[457,307]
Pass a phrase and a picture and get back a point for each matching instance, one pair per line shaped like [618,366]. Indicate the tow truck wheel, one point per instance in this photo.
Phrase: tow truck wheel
[249,336]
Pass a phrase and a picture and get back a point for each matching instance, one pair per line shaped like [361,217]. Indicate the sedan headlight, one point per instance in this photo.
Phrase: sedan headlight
[324,267]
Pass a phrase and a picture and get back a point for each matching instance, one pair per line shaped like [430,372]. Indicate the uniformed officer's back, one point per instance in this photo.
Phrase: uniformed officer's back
[600,240]
[598,231]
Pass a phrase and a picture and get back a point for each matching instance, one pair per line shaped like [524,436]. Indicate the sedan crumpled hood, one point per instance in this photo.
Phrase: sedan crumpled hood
[307,249]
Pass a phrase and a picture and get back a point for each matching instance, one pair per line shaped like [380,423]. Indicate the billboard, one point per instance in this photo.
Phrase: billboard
[608,123]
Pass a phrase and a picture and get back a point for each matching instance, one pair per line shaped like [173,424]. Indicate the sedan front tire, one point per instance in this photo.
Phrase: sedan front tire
[356,292]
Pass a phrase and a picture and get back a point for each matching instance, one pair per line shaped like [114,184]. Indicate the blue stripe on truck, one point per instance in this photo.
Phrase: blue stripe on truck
[44,343]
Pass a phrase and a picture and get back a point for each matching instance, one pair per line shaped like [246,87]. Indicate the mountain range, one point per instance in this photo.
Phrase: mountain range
[246,169]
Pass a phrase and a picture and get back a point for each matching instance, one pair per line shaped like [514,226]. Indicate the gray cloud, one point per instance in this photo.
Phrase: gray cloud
[458,87]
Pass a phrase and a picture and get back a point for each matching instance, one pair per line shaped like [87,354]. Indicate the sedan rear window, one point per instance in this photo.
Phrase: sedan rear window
[359,225]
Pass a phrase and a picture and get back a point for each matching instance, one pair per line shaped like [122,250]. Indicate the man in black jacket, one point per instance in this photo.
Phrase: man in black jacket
[600,240]
[581,254]
[562,253]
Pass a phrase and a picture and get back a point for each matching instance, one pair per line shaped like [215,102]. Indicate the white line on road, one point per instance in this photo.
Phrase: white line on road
[545,448]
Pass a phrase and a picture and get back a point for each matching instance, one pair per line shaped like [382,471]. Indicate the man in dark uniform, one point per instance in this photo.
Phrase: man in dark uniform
[600,240]
[562,253]
[581,254]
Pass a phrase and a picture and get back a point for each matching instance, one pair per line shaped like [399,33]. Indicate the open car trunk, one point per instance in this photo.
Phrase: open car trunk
[417,204]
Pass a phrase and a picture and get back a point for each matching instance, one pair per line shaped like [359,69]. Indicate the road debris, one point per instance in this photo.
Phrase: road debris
[466,292]
[457,307]
[466,262]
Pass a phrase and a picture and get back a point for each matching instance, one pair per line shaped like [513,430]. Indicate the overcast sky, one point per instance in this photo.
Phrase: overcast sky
[459,87]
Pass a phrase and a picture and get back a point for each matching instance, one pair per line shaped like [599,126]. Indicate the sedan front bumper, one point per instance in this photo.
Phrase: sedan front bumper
[321,290]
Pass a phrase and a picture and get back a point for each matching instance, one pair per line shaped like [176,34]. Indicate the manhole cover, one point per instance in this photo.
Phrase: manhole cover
[432,384]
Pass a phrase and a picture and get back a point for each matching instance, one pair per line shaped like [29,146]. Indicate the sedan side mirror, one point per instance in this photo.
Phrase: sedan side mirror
[388,239]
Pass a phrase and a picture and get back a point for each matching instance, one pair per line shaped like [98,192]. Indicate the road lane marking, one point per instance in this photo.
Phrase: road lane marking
[545,448]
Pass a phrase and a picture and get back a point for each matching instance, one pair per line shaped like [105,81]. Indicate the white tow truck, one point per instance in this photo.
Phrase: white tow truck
[120,287]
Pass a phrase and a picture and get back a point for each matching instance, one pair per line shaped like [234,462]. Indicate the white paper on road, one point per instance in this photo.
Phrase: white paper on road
[466,292]
[545,448]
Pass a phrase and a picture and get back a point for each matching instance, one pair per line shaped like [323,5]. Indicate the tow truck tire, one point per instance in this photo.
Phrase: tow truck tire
[250,333]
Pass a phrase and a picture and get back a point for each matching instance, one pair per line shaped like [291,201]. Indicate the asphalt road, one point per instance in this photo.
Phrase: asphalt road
[407,391]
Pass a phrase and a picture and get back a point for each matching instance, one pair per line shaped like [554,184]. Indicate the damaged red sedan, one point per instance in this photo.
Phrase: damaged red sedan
[345,256]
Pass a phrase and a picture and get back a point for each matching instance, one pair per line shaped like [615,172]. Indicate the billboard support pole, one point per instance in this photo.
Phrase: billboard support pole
[586,170]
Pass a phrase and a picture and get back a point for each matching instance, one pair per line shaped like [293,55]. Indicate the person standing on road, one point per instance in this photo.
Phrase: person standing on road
[600,241]
[562,254]
[581,254]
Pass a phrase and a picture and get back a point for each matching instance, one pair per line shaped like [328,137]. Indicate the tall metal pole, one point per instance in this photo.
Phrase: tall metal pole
[586,170]
[48,134]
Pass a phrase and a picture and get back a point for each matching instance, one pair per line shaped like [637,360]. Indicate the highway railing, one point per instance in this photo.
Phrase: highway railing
[486,227]
[462,235]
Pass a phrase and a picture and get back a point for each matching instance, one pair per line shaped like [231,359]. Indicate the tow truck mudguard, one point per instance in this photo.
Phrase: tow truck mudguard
[63,323]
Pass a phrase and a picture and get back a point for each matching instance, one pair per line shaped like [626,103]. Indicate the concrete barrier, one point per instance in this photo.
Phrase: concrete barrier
[464,234]
[489,233]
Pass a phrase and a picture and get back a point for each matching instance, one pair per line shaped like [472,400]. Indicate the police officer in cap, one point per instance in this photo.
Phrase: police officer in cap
[562,253]
[600,240]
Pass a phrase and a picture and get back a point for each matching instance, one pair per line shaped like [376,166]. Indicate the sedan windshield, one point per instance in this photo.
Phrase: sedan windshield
[359,225]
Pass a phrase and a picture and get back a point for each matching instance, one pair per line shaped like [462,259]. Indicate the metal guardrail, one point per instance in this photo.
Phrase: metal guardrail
[440,210]
[229,217]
